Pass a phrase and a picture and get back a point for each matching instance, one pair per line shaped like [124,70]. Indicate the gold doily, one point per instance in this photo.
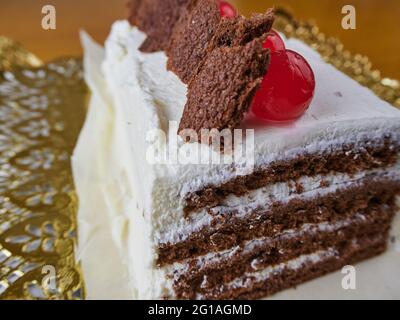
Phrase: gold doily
[41,113]
[42,109]
[13,55]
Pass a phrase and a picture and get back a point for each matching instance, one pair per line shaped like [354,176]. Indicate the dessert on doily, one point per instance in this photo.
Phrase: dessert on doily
[318,193]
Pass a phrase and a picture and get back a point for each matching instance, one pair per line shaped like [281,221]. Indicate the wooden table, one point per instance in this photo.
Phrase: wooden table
[377,32]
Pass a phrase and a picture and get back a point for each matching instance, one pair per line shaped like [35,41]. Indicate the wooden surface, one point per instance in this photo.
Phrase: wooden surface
[377,32]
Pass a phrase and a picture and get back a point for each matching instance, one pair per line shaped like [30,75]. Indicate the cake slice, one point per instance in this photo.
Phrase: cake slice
[321,195]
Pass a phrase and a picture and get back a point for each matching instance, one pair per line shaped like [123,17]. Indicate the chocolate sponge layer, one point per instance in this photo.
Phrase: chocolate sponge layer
[365,236]
[348,255]
[350,159]
[227,231]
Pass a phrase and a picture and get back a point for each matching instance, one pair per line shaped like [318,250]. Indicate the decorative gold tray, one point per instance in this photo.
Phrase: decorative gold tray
[41,113]
[42,108]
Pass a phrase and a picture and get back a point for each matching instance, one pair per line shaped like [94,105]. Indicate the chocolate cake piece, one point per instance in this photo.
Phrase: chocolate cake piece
[201,29]
[221,93]
[157,19]
[241,30]
[191,38]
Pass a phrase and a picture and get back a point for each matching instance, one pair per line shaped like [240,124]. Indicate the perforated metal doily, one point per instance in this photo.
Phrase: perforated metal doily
[41,113]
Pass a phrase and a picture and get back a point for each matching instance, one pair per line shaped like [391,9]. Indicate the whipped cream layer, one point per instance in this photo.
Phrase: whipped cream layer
[145,201]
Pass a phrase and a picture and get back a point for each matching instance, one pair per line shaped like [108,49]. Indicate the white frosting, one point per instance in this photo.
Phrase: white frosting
[139,95]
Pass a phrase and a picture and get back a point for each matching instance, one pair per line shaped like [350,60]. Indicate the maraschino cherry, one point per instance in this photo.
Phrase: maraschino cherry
[288,88]
[227,10]
[274,42]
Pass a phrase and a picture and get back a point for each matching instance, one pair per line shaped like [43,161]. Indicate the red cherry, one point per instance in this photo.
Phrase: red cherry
[274,42]
[287,89]
[227,10]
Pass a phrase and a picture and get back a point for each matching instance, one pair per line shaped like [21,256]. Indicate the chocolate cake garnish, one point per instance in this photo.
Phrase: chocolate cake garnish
[157,19]
[221,59]
[241,30]
[191,37]
[201,29]
[221,93]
